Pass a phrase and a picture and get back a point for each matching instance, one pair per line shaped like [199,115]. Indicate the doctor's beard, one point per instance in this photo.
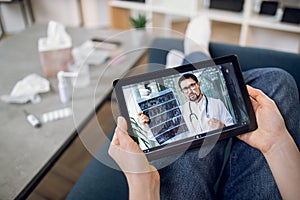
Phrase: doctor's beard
[194,97]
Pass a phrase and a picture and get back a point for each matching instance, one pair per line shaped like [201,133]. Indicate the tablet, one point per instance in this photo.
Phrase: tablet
[173,110]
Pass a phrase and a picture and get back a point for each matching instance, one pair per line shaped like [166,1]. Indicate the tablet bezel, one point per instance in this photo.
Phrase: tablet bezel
[179,146]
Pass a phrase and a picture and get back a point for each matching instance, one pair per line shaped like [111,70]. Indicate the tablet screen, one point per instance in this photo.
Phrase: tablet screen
[186,104]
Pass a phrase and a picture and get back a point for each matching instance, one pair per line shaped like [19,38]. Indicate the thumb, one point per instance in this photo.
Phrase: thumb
[121,131]
[122,124]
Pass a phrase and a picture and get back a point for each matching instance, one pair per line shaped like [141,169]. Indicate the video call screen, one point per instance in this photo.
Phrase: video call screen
[165,105]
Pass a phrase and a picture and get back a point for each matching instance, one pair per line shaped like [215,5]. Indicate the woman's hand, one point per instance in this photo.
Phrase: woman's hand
[143,179]
[271,127]
[274,141]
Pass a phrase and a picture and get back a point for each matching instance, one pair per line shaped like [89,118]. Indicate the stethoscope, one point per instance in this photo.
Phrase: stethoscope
[192,114]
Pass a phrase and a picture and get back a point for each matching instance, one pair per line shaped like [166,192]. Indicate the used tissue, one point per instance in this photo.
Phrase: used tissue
[28,89]
[55,49]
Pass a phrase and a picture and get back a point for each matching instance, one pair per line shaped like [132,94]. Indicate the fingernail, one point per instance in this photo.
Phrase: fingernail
[120,120]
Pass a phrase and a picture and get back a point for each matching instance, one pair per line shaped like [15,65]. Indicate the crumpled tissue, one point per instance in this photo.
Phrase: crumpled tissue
[28,89]
[57,38]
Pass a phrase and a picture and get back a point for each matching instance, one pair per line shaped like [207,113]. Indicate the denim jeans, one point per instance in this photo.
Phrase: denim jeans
[246,174]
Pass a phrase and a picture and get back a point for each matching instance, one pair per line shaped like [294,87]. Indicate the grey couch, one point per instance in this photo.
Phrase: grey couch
[101,182]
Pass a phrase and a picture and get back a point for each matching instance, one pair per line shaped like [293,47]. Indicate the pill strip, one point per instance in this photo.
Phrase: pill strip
[56,115]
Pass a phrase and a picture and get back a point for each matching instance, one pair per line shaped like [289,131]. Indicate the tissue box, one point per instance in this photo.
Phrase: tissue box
[55,59]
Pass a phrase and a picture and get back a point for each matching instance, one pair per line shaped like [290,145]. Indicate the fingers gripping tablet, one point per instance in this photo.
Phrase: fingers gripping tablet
[172,110]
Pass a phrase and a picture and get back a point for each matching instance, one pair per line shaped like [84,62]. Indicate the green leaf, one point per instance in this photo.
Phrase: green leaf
[139,22]
[139,132]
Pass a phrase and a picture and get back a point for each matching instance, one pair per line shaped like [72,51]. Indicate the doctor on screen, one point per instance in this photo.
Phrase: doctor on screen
[202,113]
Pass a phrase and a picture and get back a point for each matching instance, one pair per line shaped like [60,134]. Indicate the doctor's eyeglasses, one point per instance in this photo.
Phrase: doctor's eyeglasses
[190,87]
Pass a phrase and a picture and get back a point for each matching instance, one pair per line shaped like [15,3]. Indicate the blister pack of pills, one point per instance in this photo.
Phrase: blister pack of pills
[56,114]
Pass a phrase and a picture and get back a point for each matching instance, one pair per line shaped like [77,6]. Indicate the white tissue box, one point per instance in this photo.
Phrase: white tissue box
[54,60]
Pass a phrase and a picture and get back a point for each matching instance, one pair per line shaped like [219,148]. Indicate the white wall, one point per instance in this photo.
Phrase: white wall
[66,11]
[95,13]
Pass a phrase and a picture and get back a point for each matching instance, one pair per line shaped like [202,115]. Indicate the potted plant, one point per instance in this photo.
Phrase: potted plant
[139,22]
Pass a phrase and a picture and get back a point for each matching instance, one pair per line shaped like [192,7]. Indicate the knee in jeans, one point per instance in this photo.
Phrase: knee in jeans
[283,77]
[280,72]
[273,81]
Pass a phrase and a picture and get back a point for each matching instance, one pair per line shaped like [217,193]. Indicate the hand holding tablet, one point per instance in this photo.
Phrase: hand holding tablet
[172,110]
